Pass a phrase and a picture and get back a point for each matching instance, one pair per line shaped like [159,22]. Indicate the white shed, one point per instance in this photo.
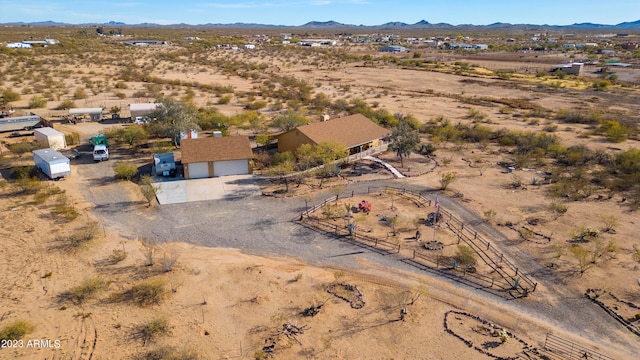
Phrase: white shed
[52,137]
[94,113]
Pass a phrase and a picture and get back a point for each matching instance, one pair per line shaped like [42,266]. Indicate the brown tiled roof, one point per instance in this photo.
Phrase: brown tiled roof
[349,131]
[215,149]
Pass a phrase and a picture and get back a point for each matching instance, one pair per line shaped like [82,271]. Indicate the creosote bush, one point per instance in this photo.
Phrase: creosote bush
[16,330]
[124,171]
[145,293]
[153,329]
[85,291]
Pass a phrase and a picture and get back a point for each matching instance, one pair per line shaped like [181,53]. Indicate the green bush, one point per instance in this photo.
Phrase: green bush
[10,95]
[16,330]
[85,291]
[37,102]
[466,256]
[63,209]
[124,171]
[146,293]
[153,329]
[23,172]
[66,104]
[170,353]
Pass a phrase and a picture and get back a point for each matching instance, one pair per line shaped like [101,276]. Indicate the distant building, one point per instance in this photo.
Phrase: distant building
[393,49]
[95,114]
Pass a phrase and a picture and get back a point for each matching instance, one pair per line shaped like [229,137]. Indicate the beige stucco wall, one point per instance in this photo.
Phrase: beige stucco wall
[291,140]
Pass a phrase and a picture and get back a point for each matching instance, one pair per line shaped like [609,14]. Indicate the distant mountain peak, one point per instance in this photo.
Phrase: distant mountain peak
[329,23]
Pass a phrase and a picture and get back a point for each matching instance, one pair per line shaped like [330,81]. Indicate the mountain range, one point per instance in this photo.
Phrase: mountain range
[395,25]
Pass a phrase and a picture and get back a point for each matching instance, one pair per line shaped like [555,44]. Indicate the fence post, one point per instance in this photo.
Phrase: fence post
[516,271]
[337,232]
[368,189]
[351,193]
[398,248]
[488,245]
[534,287]
[501,257]
[414,254]
[475,236]
[492,280]
[461,226]
[376,243]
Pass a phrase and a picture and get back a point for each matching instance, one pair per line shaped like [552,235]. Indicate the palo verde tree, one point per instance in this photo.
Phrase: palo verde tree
[289,120]
[172,118]
[404,140]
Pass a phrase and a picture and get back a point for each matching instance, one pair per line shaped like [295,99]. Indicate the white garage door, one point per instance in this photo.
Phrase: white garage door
[230,167]
[198,170]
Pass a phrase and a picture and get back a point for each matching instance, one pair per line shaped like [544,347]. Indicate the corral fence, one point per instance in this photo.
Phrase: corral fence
[507,277]
[556,347]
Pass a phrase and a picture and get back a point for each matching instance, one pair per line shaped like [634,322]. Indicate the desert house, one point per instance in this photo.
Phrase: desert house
[355,132]
[95,114]
[216,156]
[139,110]
[51,137]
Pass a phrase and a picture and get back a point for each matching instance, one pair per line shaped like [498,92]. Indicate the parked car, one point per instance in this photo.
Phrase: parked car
[100,153]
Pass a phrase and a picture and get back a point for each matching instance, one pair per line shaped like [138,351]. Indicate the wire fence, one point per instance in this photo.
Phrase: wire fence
[505,275]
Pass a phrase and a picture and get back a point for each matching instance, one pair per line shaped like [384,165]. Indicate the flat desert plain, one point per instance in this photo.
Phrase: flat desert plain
[83,291]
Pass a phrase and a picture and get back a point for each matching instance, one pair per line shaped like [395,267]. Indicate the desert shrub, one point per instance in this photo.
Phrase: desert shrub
[22,148]
[117,255]
[582,255]
[466,256]
[146,293]
[80,93]
[23,172]
[120,95]
[66,104]
[558,208]
[121,85]
[88,289]
[16,330]
[578,117]
[124,171]
[171,353]
[37,102]
[10,95]
[62,209]
[256,105]
[224,99]
[446,179]
[79,237]
[600,85]
[614,131]
[153,329]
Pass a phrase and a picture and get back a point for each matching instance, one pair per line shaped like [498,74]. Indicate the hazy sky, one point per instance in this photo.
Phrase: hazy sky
[298,12]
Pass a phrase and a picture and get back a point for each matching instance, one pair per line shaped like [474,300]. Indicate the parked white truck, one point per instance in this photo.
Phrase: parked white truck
[52,163]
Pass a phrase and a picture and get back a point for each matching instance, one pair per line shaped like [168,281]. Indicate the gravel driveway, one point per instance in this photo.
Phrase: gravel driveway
[263,225]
